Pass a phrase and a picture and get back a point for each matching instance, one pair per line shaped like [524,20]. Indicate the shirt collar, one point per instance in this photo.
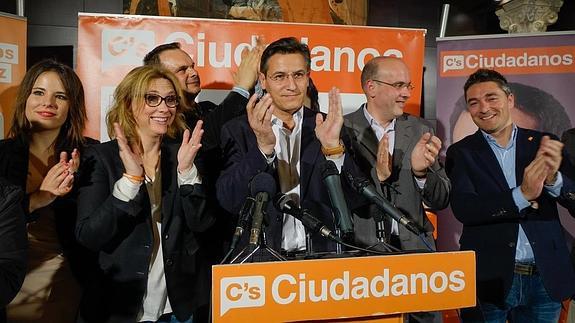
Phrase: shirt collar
[372,122]
[297,118]
[491,140]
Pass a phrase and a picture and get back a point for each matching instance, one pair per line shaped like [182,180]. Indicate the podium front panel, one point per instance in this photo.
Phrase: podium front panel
[343,287]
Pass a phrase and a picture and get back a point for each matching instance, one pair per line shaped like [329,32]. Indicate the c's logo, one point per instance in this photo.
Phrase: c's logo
[125,46]
[453,62]
[246,291]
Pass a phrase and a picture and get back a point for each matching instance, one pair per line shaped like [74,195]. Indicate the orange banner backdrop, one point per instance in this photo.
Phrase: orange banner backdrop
[111,45]
[352,287]
[12,65]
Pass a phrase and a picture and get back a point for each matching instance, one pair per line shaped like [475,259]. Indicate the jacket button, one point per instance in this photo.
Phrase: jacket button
[166,236]
[169,262]
[512,244]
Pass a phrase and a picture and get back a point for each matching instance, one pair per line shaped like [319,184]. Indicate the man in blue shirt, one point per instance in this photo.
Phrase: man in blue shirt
[506,182]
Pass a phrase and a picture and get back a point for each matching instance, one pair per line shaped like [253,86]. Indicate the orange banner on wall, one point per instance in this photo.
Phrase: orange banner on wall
[12,65]
[352,287]
[111,45]
[509,61]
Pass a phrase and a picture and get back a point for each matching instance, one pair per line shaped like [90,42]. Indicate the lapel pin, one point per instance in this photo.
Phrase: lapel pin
[530,138]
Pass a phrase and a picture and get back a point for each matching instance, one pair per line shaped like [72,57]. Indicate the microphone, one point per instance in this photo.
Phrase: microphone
[364,187]
[285,204]
[262,187]
[243,218]
[332,181]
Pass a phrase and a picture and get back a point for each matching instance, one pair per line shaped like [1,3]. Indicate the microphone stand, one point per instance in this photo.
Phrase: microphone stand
[380,226]
[338,249]
[262,244]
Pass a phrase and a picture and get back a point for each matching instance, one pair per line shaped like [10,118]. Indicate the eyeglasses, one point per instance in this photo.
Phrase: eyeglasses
[282,77]
[397,85]
[154,100]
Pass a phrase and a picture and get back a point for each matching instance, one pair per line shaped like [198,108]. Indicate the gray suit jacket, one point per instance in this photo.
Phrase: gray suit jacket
[405,193]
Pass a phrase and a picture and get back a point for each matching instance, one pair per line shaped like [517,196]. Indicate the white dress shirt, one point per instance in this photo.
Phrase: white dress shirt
[288,154]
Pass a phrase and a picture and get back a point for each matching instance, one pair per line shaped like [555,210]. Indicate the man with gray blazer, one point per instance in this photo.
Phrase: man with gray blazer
[400,152]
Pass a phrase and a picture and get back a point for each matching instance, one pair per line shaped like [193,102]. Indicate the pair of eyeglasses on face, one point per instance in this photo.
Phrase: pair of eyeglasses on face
[154,100]
[282,77]
[397,85]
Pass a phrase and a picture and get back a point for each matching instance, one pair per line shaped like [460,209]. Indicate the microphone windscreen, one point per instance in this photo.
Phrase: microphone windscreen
[263,182]
[282,202]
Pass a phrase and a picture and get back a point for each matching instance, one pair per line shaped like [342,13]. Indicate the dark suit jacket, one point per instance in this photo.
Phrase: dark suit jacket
[482,201]
[13,244]
[210,164]
[244,160]
[405,195]
[568,138]
[121,233]
[14,154]
[215,116]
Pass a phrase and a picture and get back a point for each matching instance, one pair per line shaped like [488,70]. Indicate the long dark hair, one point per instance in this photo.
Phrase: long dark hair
[70,135]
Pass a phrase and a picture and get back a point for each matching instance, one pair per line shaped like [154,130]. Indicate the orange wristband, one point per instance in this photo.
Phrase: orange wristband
[134,178]
[333,151]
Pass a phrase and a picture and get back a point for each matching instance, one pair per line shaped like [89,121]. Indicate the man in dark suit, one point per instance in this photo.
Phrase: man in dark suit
[400,152]
[506,183]
[282,137]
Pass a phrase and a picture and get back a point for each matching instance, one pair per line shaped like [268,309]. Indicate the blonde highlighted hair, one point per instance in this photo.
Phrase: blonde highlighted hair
[130,92]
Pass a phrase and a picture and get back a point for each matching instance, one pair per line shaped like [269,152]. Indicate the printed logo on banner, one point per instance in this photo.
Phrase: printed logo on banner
[125,46]
[530,60]
[8,53]
[285,289]
[5,73]
[453,62]
[246,291]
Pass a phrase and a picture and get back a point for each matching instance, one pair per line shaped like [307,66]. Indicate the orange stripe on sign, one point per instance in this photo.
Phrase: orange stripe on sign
[509,61]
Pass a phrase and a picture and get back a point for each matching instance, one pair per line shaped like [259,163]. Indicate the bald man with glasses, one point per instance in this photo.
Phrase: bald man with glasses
[400,152]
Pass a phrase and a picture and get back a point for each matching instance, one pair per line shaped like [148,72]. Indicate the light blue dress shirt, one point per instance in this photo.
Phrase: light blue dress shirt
[506,158]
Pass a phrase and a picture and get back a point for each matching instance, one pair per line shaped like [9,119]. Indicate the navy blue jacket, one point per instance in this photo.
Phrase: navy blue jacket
[481,200]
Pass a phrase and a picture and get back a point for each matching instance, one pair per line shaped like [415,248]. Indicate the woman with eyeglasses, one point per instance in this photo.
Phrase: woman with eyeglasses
[42,155]
[141,207]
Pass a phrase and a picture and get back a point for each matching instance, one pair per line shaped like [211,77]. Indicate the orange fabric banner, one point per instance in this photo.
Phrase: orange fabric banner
[352,287]
[111,45]
[12,65]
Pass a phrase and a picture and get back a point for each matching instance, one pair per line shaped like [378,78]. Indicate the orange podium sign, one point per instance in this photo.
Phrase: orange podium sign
[343,288]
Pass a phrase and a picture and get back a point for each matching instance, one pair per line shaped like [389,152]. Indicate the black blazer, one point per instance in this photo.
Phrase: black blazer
[215,116]
[568,138]
[121,233]
[210,164]
[13,244]
[482,201]
[244,160]
[14,154]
